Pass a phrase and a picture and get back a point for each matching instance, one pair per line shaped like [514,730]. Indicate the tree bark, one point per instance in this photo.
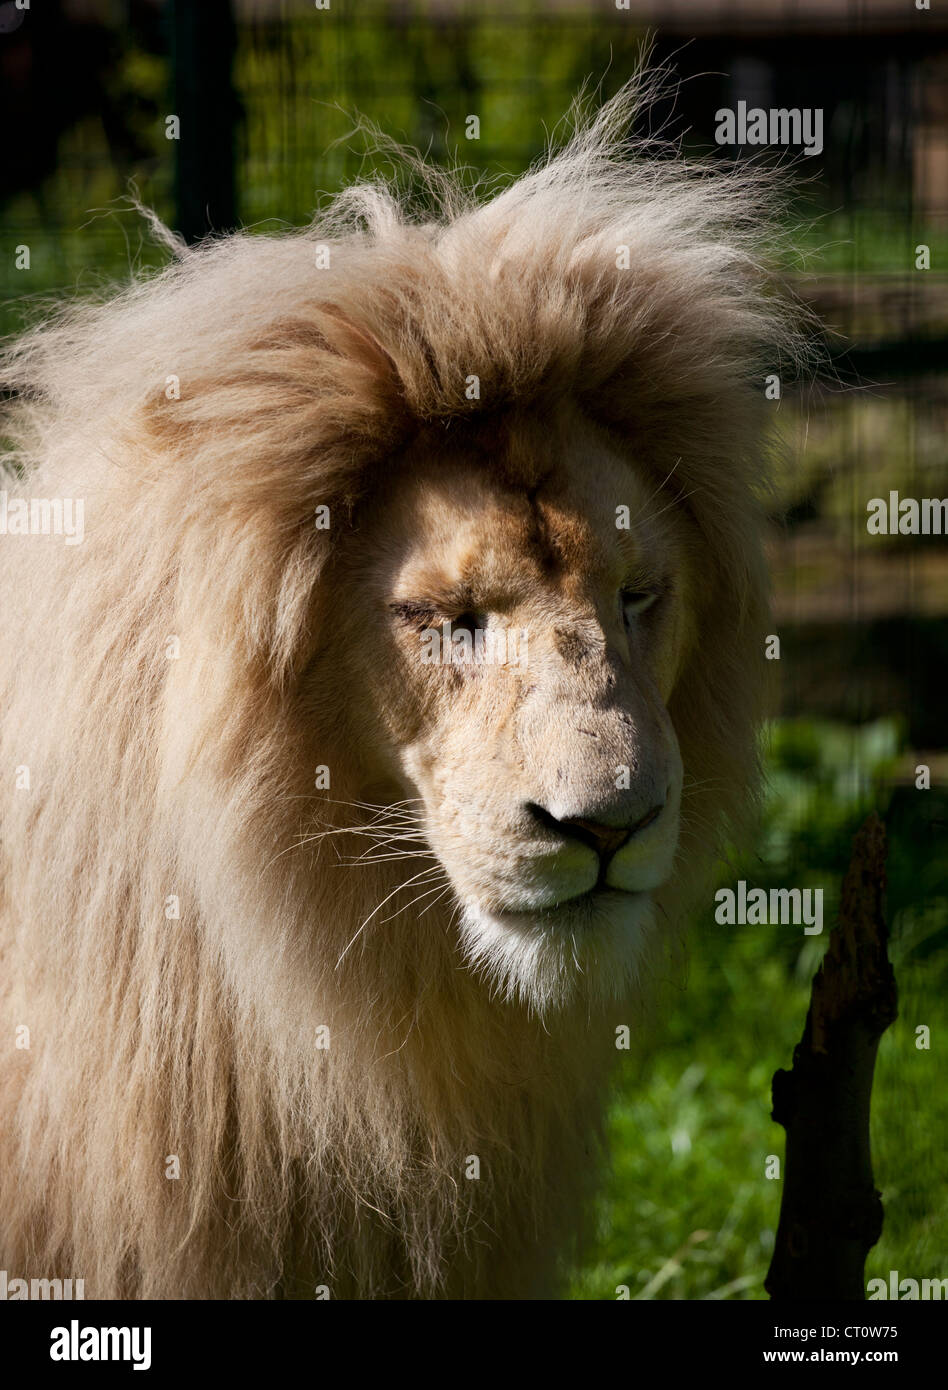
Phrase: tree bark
[831,1213]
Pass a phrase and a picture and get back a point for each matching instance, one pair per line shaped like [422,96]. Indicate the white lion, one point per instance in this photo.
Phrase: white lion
[321,948]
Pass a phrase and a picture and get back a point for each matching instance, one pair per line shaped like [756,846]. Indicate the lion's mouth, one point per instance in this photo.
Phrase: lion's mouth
[595,901]
[594,941]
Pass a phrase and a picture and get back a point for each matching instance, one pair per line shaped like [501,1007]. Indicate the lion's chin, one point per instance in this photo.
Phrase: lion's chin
[593,947]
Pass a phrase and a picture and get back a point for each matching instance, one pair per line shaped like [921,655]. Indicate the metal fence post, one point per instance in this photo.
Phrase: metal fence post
[203,42]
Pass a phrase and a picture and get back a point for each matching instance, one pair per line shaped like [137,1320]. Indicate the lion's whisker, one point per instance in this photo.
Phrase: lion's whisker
[386,899]
[657,490]
[386,858]
[444,892]
[438,888]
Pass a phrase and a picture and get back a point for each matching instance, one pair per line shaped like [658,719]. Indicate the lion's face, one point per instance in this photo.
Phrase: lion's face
[526,647]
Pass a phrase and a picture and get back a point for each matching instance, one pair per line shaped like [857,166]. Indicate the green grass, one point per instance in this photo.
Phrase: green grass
[687,1211]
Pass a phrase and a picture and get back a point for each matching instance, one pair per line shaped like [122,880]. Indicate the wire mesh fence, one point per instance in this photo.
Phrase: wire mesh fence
[271,89]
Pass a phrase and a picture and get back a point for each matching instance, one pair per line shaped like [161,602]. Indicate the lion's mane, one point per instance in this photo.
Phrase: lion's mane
[154,779]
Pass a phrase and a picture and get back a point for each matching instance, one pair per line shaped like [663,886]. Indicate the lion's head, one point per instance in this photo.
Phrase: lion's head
[533,431]
[522,601]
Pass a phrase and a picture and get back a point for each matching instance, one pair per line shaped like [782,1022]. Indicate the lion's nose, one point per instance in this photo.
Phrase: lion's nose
[604,839]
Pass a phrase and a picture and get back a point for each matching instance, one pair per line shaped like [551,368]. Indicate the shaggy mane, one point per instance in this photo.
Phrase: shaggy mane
[203,414]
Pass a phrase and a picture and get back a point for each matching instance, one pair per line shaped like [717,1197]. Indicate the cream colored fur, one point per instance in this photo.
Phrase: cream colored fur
[481,1023]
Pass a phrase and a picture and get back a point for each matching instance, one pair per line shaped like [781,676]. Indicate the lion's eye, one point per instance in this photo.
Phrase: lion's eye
[420,613]
[413,614]
[635,602]
[468,622]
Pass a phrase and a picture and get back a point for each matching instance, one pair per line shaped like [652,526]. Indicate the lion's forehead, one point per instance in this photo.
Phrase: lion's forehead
[509,543]
[481,526]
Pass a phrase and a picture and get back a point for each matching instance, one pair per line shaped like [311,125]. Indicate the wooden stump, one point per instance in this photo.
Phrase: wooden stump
[831,1213]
